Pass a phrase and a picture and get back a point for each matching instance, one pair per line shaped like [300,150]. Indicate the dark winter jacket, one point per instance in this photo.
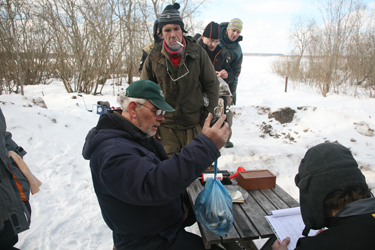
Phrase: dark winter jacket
[145,51]
[353,227]
[219,58]
[138,188]
[186,94]
[14,205]
[234,48]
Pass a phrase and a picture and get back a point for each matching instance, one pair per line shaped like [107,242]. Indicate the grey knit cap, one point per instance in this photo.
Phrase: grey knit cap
[171,15]
[326,167]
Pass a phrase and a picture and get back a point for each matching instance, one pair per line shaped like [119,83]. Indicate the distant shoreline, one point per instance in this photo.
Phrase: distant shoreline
[263,54]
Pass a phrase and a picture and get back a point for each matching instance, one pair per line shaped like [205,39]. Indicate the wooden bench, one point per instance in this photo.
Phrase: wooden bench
[249,221]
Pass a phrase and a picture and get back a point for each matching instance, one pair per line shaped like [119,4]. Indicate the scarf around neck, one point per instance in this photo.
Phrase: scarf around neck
[174,56]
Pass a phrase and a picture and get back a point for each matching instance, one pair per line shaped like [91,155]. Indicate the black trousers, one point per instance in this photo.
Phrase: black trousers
[183,240]
[186,240]
[189,241]
[7,237]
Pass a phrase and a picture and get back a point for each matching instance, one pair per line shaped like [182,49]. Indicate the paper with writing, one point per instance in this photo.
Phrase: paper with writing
[288,223]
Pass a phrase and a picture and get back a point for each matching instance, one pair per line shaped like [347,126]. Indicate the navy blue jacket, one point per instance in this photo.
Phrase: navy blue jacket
[138,188]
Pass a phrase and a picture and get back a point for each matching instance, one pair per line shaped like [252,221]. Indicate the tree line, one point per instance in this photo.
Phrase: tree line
[81,42]
[334,52]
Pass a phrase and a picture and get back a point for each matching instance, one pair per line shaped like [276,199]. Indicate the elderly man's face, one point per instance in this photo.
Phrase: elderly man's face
[233,34]
[147,120]
[172,34]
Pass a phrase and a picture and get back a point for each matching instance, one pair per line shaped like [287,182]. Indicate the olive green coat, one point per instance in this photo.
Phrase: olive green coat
[186,94]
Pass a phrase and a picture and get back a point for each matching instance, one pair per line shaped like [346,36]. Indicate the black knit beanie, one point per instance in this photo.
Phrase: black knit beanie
[171,15]
[212,31]
[326,167]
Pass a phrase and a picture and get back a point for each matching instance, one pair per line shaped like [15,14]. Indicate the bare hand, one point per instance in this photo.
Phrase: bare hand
[321,230]
[224,74]
[217,133]
[281,246]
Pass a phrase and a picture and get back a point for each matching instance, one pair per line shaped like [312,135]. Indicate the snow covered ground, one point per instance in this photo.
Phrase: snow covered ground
[66,214]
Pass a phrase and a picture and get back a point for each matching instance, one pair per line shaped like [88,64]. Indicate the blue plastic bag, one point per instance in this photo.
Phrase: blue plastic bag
[213,207]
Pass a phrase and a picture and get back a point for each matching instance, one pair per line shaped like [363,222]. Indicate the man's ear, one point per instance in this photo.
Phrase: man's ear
[132,109]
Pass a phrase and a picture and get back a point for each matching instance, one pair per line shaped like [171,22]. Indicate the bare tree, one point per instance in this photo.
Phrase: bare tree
[24,44]
[301,37]
[11,13]
[335,46]
[104,33]
[84,37]
[338,27]
[82,42]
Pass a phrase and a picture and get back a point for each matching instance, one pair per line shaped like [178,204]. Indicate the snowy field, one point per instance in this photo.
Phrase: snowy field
[66,214]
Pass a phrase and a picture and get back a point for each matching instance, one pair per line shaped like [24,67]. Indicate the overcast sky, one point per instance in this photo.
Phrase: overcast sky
[267,23]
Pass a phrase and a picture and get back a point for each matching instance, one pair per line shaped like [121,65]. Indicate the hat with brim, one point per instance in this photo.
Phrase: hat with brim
[146,89]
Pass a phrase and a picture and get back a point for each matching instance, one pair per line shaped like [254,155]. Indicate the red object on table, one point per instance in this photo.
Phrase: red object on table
[239,169]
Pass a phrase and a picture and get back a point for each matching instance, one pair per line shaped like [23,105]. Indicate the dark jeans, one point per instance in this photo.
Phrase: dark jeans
[183,240]
[186,240]
[189,241]
[7,237]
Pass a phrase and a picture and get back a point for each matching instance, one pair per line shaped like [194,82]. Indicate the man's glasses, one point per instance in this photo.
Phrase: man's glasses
[214,41]
[156,112]
[187,71]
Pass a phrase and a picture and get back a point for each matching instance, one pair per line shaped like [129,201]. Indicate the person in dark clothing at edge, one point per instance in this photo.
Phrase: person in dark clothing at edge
[230,38]
[333,194]
[219,57]
[15,209]
[142,193]
[146,50]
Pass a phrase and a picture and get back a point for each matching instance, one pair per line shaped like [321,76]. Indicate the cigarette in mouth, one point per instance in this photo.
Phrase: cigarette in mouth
[180,43]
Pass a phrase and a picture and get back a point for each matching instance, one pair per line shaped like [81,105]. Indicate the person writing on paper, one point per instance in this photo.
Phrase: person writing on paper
[333,195]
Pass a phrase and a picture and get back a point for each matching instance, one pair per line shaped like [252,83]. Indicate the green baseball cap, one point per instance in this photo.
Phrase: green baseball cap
[146,89]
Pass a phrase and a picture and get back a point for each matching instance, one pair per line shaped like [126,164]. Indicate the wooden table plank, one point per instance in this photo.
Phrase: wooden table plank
[232,246]
[262,201]
[256,214]
[285,197]
[277,202]
[242,223]
[249,221]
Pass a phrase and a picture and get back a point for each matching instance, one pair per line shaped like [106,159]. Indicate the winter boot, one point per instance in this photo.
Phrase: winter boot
[228,144]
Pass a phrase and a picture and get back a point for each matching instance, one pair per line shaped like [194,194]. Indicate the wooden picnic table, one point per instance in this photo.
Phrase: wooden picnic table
[249,222]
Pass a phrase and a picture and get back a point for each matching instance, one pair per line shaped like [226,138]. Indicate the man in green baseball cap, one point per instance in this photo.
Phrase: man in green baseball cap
[141,192]
[146,89]
[145,94]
